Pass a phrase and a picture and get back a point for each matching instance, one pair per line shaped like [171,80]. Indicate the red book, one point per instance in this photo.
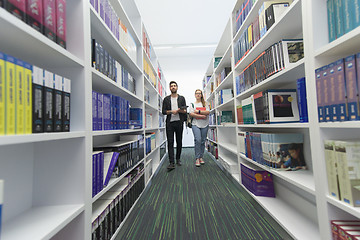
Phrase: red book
[49,19]
[201,109]
[17,8]
[61,22]
[34,14]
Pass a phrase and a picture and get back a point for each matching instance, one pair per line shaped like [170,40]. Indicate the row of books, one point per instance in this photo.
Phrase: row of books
[212,148]
[242,13]
[224,95]
[275,150]
[212,103]
[113,160]
[345,229]
[343,172]
[146,44]
[277,57]
[257,180]
[103,62]
[110,112]
[270,106]
[222,75]
[337,88]
[116,26]
[32,100]
[136,118]
[150,142]
[225,117]
[212,134]
[343,16]
[110,210]
[149,73]
[212,119]
[45,16]
[268,14]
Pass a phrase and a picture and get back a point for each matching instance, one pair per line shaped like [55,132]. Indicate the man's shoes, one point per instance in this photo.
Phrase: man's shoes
[178,162]
[171,166]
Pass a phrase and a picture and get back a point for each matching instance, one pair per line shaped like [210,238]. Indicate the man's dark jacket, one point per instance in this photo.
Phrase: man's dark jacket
[167,106]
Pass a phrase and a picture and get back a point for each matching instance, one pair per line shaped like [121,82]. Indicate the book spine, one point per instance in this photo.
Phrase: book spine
[94,187]
[48,101]
[94,111]
[66,98]
[356,12]
[37,101]
[50,19]
[331,168]
[100,111]
[34,14]
[326,91]
[331,20]
[340,91]
[339,17]
[61,22]
[57,101]
[113,162]
[319,94]
[17,8]
[19,93]
[352,93]
[10,95]
[28,97]
[2,93]
[357,62]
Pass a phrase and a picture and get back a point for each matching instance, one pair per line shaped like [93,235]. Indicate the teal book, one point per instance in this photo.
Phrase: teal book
[331,20]
[339,18]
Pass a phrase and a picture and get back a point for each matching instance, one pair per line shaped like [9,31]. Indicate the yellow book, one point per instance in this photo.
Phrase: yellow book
[28,98]
[19,102]
[10,111]
[2,93]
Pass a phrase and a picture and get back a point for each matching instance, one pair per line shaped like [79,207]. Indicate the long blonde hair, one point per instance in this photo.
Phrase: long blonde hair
[202,97]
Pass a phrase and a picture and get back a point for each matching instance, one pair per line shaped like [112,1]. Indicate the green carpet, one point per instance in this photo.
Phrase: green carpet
[198,203]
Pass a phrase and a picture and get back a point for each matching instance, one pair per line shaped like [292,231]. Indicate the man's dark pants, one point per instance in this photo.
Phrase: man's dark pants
[177,128]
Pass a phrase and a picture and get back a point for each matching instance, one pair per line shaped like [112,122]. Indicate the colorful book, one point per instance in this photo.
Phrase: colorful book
[61,22]
[34,14]
[99,111]
[10,111]
[19,93]
[257,180]
[331,169]
[326,92]
[49,19]
[17,8]
[336,224]
[28,97]
[2,93]
[339,18]
[288,152]
[293,51]
[283,106]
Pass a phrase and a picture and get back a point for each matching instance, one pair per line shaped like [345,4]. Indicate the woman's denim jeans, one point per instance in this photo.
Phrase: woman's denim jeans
[200,135]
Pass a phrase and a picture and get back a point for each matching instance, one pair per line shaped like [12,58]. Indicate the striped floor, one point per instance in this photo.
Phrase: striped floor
[198,203]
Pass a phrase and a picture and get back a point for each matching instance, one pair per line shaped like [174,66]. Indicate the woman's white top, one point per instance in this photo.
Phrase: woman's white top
[200,123]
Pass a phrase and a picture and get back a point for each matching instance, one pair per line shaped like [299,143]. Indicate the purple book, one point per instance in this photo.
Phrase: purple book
[34,14]
[94,165]
[106,111]
[94,111]
[352,93]
[102,9]
[49,19]
[330,108]
[340,92]
[61,22]
[319,94]
[358,75]
[17,8]
[257,181]
[100,171]
[326,92]
[100,111]
[113,161]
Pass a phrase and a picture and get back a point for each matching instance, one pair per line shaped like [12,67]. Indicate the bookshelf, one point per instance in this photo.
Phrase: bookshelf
[48,176]
[301,196]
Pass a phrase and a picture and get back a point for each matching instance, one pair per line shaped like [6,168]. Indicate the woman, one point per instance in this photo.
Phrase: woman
[199,111]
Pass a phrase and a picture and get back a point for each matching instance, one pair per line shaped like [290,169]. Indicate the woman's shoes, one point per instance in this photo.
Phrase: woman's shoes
[197,163]
[201,161]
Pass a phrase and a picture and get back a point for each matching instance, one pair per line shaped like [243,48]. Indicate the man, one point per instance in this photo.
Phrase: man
[174,107]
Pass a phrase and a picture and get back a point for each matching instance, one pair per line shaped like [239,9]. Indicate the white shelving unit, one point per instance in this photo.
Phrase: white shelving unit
[48,176]
[301,196]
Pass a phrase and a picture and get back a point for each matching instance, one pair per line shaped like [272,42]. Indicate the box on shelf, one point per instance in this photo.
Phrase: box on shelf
[257,181]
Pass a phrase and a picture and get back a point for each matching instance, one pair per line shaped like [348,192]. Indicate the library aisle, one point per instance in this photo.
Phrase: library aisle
[198,203]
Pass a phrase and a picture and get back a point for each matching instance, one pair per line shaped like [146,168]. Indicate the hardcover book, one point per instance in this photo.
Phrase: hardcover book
[37,101]
[340,93]
[34,14]
[50,19]
[66,91]
[19,93]
[331,20]
[28,97]
[287,151]
[336,224]
[331,168]
[61,22]
[2,93]
[302,99]
[110,161]
[48,102]
[57,101]
[10,95]
[17,8]
[94,111]
[274,12]
[283,105]
[352,89]
[293,51]
[99,111]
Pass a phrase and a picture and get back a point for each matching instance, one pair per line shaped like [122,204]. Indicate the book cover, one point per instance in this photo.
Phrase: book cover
[100,171]
[330,107]
[288,151]
[352,88]
[102,58]
[66,95]
[17,8]
[358,76]
[106,63]
[325,79]
[19,93]
[340,92]
[10,94]
[293,51]
[331,20]
[57,101]
[335,226]
[273,13]
[61,22]
[94,111]
[99,111]
[350,231]
[331,168]
[107,111]
[2,93]
[110,160]
[49,19]
[257,181]
[94,171]
[34,14]
[28,97]
[283,105]
[48,102]
[37,101]
[348,157]
[339,18]
[302,99]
